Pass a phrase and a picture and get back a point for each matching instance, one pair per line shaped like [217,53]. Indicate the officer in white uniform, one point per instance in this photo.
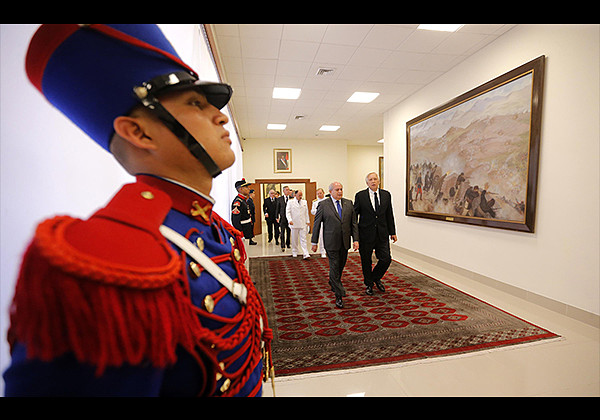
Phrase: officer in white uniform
[297,215]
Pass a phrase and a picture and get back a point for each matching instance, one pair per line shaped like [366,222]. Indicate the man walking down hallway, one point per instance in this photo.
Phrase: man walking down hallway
[373,207]
[339,225]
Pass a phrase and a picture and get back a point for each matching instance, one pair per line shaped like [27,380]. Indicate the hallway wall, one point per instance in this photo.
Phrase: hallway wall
[321,161]
[560,261]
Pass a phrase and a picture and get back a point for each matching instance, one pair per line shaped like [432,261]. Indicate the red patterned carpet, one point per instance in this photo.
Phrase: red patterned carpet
[417,317]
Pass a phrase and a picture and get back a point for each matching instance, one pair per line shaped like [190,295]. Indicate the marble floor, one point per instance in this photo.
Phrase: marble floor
[568,366]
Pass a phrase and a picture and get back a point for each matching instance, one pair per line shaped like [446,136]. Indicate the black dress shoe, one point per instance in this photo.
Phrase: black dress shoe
[380,286]
[339,303]
[252,242]
[370,290]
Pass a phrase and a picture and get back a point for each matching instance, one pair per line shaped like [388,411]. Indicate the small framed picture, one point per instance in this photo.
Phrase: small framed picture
[282,160]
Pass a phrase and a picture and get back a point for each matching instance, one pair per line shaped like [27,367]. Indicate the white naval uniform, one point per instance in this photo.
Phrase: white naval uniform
[297,213]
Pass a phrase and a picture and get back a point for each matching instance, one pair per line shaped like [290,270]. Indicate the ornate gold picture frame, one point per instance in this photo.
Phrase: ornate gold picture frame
[282,160]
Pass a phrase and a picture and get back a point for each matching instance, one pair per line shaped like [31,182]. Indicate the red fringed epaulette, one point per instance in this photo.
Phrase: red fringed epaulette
[105,289]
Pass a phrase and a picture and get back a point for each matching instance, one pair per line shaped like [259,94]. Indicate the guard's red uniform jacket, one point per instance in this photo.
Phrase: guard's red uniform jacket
[108,306]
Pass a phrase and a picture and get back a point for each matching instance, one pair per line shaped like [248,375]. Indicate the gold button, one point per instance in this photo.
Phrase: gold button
[140,91]
[232,241]
[195,269]
[200,244]
[237,255]
[219,374]
[226,385]
[209,304]
[147,195]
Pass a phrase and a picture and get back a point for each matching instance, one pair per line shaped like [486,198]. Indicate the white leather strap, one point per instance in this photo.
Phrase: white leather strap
[238,290]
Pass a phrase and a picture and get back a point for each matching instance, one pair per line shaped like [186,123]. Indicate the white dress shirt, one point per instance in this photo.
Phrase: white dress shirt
[372,197]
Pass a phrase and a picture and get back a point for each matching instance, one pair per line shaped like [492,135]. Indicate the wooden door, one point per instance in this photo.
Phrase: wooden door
[257,208]
[311,195]
[310,189]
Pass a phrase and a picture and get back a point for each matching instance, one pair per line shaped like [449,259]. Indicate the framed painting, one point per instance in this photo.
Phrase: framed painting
[474,160]
[282,160]
[270,186]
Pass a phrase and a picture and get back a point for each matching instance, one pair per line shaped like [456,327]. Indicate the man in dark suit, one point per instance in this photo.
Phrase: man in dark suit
[270,212]
[282,218]
[373,207]
[339,224]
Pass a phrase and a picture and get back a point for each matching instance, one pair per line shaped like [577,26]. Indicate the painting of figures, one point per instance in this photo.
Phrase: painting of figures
[474,160]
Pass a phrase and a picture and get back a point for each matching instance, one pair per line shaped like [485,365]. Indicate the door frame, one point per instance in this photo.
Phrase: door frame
[310,189]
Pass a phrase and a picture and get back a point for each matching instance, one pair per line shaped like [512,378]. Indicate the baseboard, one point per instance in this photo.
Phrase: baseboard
[400,253]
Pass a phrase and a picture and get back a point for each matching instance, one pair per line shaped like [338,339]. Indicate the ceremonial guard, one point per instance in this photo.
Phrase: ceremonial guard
[149,296]
[241,219]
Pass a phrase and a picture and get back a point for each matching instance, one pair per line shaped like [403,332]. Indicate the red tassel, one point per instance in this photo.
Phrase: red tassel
[109,315]
[105,316]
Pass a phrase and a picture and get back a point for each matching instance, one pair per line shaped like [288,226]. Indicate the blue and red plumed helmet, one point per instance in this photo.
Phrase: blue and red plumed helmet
[94,73]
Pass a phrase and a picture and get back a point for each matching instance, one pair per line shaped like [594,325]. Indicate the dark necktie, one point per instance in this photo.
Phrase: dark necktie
[376,203]
[339,208]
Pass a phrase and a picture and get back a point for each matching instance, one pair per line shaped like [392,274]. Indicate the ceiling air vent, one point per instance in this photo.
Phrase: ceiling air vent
[322,71]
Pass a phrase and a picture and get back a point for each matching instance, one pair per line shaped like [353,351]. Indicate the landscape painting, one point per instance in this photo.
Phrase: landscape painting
[474,160]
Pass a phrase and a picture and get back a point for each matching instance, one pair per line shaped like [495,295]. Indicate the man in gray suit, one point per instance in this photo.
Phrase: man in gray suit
[339,224]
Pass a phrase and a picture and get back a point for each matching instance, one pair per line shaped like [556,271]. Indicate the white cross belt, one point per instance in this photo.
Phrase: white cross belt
[238,290]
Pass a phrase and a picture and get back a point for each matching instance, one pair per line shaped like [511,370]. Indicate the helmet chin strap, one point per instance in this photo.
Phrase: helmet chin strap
[195,148]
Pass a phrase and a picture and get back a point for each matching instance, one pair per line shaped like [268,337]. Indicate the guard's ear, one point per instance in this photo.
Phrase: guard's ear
[132,130]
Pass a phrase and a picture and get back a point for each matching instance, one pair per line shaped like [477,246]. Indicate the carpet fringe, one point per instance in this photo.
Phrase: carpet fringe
[426,360]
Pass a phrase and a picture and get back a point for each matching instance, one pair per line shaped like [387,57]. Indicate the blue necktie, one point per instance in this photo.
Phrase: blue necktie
[339,208]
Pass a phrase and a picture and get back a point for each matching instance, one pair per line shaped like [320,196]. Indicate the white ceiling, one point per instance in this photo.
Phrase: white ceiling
[394,60]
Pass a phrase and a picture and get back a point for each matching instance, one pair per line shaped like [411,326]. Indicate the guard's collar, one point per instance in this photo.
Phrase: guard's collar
[186,200]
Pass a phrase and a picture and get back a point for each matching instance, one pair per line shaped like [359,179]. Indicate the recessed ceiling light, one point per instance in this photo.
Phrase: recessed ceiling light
[329,128]
[447,27]
[363,97]
[286,93]
[276,126]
